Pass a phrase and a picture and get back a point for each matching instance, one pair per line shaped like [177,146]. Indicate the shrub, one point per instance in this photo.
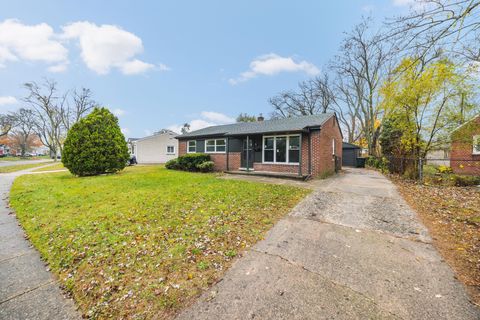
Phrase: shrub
[172,164]
[190,161]
[206,166]
[465,181]
[378,163]
[444,169]
[95,145]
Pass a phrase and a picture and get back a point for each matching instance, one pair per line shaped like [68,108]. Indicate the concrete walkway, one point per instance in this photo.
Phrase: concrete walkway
[27,289]
[352,250]
[19,162]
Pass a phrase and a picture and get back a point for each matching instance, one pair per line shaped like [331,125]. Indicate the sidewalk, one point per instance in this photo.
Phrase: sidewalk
[27,289]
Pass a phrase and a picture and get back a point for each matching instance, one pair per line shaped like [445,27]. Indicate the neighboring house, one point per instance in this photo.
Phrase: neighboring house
[278,146]
[157,148]
[350,153]
[439,156]
[465,153]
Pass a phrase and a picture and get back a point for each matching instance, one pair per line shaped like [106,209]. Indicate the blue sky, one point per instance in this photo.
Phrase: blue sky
[159,64]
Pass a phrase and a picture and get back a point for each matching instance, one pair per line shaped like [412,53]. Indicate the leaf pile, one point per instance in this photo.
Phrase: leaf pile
[452,215]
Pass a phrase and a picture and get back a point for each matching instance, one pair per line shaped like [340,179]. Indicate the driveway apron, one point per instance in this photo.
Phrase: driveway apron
[27,289]
[353,249]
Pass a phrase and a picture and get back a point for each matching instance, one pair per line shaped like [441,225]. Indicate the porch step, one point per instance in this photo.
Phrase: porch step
[271,174]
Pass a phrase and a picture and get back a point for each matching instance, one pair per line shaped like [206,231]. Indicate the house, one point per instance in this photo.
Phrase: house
[131,145]
[465,153]
[350,153]
[298,146]
[157,148]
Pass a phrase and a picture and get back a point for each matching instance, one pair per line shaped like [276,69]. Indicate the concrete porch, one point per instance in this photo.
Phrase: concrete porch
[270,174]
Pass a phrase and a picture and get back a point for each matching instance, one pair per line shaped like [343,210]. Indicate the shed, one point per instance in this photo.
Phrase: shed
[350,154]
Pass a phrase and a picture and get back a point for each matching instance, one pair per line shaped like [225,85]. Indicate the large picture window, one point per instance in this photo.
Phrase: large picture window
[281,149]
[192,146]
[215,146]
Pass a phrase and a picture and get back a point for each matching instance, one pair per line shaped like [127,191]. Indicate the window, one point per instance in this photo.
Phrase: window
[192,146]
[281,149]
[476,144]
[215,146]
[170,149]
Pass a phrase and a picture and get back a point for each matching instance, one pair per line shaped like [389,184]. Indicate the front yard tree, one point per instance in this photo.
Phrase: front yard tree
[95,145]
[24,130]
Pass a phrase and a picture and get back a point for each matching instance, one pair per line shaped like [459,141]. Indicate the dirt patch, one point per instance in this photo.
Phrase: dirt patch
[452,215]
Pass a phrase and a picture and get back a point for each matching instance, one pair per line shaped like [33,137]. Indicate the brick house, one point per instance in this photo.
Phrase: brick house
[306,146]
[465,153]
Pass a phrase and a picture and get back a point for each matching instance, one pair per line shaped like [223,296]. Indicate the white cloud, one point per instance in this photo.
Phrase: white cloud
[118,112]
[125,131]
[272,64]
[217,117]
[107,46]
[31,43]
[7,100]
[207,119]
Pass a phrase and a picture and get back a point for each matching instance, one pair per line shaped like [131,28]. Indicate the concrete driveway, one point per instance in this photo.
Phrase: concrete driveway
[352,250]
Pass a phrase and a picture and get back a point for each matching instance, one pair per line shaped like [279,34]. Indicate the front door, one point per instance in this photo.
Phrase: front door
[247,154]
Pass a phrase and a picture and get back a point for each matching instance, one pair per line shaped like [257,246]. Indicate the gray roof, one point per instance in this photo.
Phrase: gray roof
[267,126]
[347,145]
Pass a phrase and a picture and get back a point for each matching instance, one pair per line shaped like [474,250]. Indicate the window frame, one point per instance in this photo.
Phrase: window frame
[188,146]
[476,140]
[215,145]
[287,155]
[171,146]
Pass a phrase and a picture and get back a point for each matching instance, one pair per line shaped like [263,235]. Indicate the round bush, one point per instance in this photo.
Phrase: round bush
[95,145]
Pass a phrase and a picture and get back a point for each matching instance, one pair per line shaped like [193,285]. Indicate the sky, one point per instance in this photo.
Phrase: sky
[159,64]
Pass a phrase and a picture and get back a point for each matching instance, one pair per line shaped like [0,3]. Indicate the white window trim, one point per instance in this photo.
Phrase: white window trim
[333,146]
[475,139]
[188,146]
[287,163]
[168,146]
[215,145]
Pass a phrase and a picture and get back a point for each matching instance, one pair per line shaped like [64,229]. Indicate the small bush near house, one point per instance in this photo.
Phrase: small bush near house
[191,162]
[172,164]
[95,145]
[465,181]
[206,166]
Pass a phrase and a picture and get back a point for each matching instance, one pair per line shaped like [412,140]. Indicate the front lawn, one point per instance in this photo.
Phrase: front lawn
[145,242]
[452,215]
[14,168]
[53,166]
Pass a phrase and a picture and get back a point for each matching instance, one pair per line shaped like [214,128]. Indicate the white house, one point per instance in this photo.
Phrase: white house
[157,148]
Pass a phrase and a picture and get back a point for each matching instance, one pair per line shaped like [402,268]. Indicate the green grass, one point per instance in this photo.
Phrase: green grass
[20,167]
[55,166]
[145,242]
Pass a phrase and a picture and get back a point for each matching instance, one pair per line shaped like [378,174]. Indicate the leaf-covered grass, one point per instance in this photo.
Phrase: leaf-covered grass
[452,215]
[145,242]
[56,166]
[19,167]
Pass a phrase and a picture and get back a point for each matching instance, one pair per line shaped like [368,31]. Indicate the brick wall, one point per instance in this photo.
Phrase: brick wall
[462,159]
[288,168]
[234,160]
[322,148]
[182,147]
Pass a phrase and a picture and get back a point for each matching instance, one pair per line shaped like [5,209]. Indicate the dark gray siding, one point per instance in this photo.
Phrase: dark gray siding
[235,145]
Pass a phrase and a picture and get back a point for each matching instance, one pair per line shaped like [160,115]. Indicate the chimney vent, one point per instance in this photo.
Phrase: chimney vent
[260,117]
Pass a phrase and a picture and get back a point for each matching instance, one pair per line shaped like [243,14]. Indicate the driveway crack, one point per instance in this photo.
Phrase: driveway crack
[295,264]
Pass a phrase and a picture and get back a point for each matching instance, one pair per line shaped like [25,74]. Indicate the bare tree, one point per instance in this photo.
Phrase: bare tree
[24,129]
[313,96]
[363,64]
[185,128]
[347,109]
[434,25]
[82,103]
[49,114]
[7,122]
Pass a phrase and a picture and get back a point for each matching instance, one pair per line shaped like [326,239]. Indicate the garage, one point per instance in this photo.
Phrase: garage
[350,153]
[157,148]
